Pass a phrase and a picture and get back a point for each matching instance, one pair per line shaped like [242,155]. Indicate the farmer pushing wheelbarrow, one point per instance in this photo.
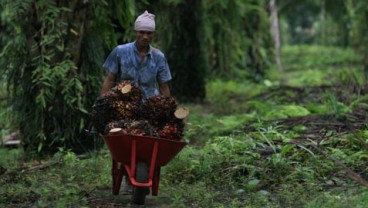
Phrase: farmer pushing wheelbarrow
[140,122]
[142,136]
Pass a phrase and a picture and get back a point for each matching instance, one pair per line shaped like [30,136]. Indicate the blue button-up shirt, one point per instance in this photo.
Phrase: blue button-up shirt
[153,70]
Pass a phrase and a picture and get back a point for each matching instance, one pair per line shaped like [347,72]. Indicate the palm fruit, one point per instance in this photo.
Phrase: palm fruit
[120,102]
[170,131]
[132,127]
[102,113]
[159,108]
[172,127]
[125,109]
[142,127]
[123,124]
[121,111]
[128,91]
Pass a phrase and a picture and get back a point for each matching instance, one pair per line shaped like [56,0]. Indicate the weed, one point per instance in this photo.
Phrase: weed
[225,165]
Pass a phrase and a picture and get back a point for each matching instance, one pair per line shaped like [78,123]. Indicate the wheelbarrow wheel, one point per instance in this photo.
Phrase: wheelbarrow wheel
[139,193]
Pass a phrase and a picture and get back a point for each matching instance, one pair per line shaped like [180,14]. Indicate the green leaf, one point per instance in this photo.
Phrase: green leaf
[40,145]
[252,184]
[285,149]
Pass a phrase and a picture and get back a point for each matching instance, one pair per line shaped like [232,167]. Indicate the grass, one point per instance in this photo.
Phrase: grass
[300,57]
[62,182]
[238,155]
[9,157]
[317,65]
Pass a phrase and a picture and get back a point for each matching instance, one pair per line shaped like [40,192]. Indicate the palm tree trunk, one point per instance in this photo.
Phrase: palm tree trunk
[275,31]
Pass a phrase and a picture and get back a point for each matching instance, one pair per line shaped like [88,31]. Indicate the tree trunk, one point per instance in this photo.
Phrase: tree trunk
[184,55]
[275,32]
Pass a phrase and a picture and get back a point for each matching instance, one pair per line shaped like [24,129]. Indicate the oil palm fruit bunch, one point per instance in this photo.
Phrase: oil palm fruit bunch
[142,128]
[120,102]
[170,131]
[129,98]
[128,91]
[102,113]
[121,110]
[174,128]
[123,124]
[159,108]
[125,109]
[132,127]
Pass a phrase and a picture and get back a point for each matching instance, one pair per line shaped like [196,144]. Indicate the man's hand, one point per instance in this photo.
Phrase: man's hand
[165,90]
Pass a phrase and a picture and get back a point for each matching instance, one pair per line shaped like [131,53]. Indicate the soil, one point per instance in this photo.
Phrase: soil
[102,197]
[317,125]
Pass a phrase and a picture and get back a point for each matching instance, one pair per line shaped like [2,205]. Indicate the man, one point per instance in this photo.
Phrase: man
[139,61]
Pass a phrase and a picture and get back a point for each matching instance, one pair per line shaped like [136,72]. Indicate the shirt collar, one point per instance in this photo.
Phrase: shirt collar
[149,49]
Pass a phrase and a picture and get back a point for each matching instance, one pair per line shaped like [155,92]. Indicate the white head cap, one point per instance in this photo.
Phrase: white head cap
[145,22]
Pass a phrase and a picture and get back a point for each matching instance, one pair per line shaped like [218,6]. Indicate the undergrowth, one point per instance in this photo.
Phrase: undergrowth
[61,181]
[238,153]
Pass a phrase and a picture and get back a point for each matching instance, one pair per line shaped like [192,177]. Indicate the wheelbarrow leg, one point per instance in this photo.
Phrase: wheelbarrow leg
[117,176]
[156,180]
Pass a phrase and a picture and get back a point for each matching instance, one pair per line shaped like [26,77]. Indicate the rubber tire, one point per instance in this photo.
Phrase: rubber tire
[139,193]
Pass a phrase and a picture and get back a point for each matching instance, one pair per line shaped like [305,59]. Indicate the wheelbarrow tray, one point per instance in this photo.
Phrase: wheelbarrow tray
[128,150]
[120,147]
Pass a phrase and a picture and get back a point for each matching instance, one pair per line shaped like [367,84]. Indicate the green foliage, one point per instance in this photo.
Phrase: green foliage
[65,183]
[336,107]
[301,28]
[202,126]
[295,171]
[357,13]
[314,56]
[9,157]
[6,123]
[286,111]
[338,23]
[266,166]
[308,77]
[235,157]
[271,111]
[53,51]
[242,27]
[226,160]
[330,105]
[184,195]
[229,97]
[350,77]
[230,39]
[219,159]
[304,63]
[219,90]
[52,60]
[355,198]
[233,122]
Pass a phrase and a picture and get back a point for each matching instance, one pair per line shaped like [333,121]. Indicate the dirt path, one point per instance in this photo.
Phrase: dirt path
[103,198]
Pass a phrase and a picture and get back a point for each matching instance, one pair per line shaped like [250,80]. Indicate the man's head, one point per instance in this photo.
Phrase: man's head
[144,28]
[145,22]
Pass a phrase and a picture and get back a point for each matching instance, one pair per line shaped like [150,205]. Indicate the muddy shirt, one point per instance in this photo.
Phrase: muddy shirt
[153,70]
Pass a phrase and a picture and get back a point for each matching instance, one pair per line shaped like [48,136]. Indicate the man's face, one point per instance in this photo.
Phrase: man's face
[143,38]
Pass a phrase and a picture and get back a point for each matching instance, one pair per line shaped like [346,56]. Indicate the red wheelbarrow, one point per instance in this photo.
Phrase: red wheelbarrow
[139,158]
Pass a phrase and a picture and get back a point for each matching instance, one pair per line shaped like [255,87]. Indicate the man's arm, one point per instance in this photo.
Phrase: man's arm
[108,83]
[165,89]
